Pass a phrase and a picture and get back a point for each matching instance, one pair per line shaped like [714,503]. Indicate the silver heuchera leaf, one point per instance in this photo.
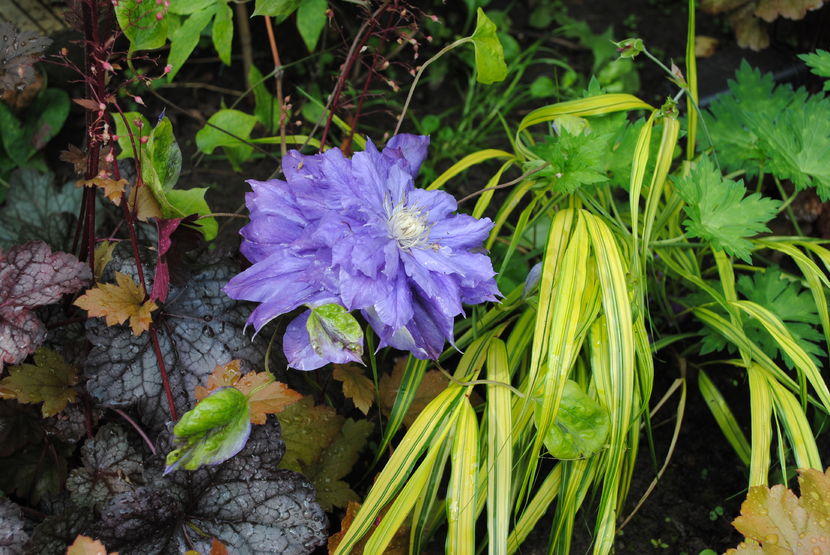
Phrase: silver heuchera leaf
[245,503]
[198,328]
[111,466]
[12,535]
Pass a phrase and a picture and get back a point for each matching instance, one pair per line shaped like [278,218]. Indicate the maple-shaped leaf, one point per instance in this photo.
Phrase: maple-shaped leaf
[36,211]
[245,503]
[576,159]
[75,156]
[119,303]
[84,545]
[788,300]
[775,521]
[398,545]
[356,386]
[143,204]
[819,62]
[110,466]
[113,188]
[13,536]
[433,383]
[324,447]
[50,380]
[31,275]
[199,327]
[718,211]
[265,395]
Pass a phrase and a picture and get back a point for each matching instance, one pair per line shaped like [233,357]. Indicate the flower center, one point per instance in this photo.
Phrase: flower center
[408,226]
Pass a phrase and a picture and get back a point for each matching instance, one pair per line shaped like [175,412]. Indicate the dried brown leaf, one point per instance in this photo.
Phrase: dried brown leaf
[356,386]
[118,303]
[84,545]
[433,383]
[113,189]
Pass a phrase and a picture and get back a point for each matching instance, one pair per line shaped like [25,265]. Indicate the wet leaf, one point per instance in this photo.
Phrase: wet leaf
[50,380]
[119,303]
[775,521]
[212,432]
[199,327]
[356,386]
[19,50]
[84,545]
[265,395]
[324,447]
[13,537]
[31,275]
[103,255]
[110,466]
[581,426]
[138,22]
[245,503]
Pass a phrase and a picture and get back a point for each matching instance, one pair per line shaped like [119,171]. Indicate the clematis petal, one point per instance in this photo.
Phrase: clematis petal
[461,232]
[411,149]
[437,204]
[297,347]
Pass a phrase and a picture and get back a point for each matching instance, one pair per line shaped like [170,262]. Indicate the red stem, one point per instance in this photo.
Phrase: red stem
[154,339]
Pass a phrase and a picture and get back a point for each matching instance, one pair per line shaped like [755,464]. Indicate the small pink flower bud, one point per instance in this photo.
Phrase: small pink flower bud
[138,123]
[144,139]
[139,100]
[159,16]
[107,66]
[115,137]
[167,69]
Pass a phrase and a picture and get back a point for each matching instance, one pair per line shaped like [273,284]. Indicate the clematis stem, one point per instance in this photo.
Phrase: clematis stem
[508,184]
[421,69]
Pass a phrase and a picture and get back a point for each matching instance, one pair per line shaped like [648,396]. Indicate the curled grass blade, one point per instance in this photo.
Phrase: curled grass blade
[461,494]
[723,416]
[499,447]
[467,162]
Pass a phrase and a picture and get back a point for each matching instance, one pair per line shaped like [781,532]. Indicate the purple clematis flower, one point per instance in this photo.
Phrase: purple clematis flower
[357,233]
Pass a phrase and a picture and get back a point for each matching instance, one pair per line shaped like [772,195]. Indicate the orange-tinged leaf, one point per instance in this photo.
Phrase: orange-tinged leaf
[103,255]
[356,386]
[50,380]
[399,545]
[434,382]
[217,548]
[775,521]
[120,302]
[84,545]
[113,189]
[265,395]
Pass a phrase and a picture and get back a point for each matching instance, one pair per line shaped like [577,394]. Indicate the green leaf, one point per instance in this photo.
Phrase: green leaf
[280,9]
[575,159]
[138,21]
[490,64]
[224,129]
[124,132]
[50,380]
[223,32]
[184,202]
[192,6]
[165,154]
[719,213]
[331,328]
[212,432]
[185,39]
[581,427]
[41,122]
[266,108]
[311,19]
[819,63]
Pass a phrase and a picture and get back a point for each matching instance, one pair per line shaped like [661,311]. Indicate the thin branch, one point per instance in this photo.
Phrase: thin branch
[275,54]
[137,428]
[508,184]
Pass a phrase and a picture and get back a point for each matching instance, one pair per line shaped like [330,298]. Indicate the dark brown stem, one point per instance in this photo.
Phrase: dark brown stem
[137,428]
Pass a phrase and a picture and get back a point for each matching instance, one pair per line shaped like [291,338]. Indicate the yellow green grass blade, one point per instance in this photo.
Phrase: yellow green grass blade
[760,402]
[591,106]
[724,417]
[796,427]
[484,200]
[499,448]
[429,428]
[691,81]
[411,379]
[620,372]
[782,336]
[513,200]
[638,172]
[403,504]
[467,162]
[668,140]
[461,494]
[427,507]
[535,509]
[577,477]
[289,139]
